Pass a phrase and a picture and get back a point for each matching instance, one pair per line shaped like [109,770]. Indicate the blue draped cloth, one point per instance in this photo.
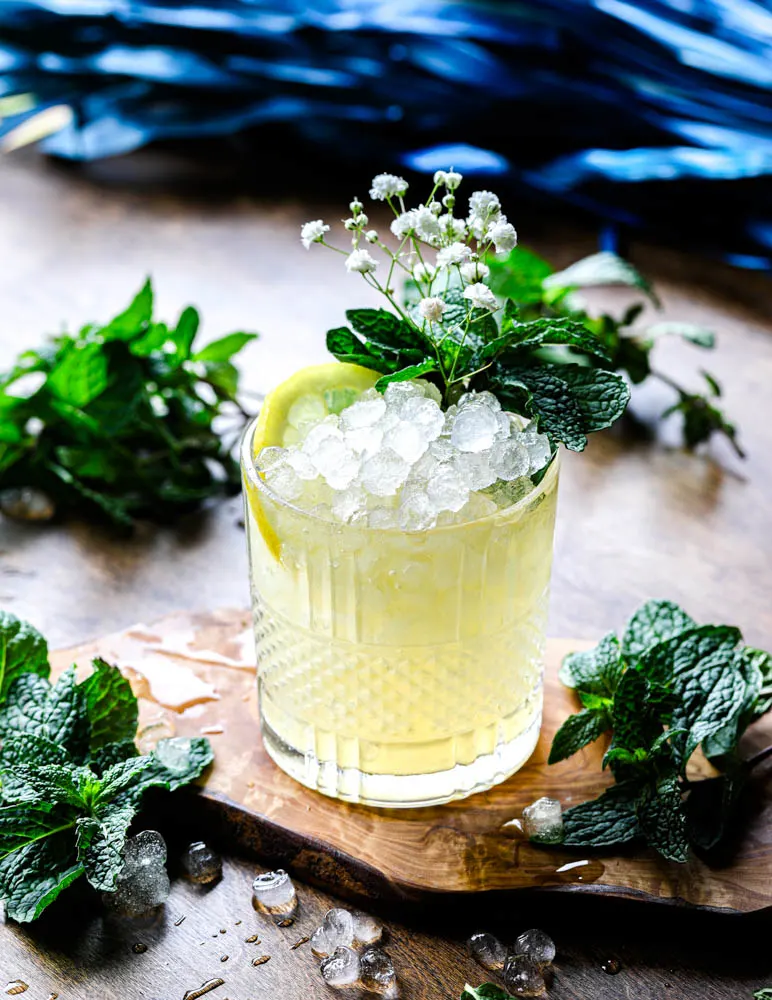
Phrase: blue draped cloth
[652,114]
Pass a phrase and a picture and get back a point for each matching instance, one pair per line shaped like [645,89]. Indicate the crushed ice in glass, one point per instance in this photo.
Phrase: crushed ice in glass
[398,461]
[143,884]
[536,945]
[273,893]
[377,972]
[335,931]
[342,968]
[543,821]
[201,864]
[488,951]
[523,977]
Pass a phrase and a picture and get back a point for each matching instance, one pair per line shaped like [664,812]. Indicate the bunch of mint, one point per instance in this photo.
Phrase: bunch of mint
[71,778]
[668,687]
[118,421]
[541,293]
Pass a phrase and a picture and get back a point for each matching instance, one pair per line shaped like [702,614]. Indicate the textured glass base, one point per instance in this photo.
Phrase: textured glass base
[404,791]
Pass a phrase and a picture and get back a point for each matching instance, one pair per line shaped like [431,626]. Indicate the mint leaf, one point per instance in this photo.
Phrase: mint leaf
[33,706]
[599,269]
[488,991]
[693,333]
[576,732]
[127,324]
[530,336]
[184,333]
[635,719]
[33,875]
[382,328]
[607,821]
[100,841]
[110,706]
[344,345]
[22,650]
[519,276]
[176,762]
[595,671]
[765,994]
[406,374]
[80,375]
[224,348]
[662,819]
[652,623]
[112,753]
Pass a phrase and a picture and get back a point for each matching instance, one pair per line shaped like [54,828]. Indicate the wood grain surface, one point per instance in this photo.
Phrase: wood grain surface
[194,674]
[638,518]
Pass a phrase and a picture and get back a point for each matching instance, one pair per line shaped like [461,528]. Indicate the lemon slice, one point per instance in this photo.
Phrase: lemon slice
[303,399]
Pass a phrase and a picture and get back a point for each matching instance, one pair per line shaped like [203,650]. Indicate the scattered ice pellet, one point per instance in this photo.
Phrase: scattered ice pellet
[143,884]
[377,971]
[26,504]
[367,930]
[273,893]
[334,460]
[488,951]
[201,864]
[328,428]
[341,968]
[536,945]
[543,821]
[523,977]
[336,930]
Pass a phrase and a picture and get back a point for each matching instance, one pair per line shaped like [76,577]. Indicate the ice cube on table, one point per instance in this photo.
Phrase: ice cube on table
[273,893]
[382,474]
[474,428]
[446,490]
[488,951]
[367,930]
[201,864]
[143,884]
[543,821]
[523,977]
[377,971]
[536,945]
[341,968]
[509,460]
[336,930]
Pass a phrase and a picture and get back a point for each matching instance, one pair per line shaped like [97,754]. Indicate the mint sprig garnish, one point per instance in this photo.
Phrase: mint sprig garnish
[71,778]
[668,687]
[117,421]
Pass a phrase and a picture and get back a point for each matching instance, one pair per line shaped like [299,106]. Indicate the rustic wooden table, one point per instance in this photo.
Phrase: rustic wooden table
[638,518]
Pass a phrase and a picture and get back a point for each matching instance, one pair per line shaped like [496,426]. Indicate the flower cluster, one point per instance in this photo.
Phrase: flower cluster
[437,248]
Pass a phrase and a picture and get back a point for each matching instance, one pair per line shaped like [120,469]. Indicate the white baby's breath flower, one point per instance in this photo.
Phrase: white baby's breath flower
[456,253]
[452,228]
[371,235]
[356,206]
[481,296]
[350,224]
[449,178]
[387,186]
[424,272]
[474,270]
[403,224]
[435,207]
[425,224]
[484,204]
[503,235]
[361,261]
[313,232]
[431,309]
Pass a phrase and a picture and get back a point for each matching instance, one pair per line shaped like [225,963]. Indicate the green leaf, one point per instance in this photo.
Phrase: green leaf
[100,841]
[662,819]
[765,994]
[595,671]
[542,333]
[33,706]
[406,374]
[81,374]
[112,753]
[383,329]
[184,333]
[569,400]
[22,650]
[131,321]
[152,340]
[347,347]
[224,348]
[652,623]
[519,276]
[176,762]
[33,874]
[60,784]
[635,717]
[608,821]
[599,269]
[576,732]
[110,706]
[695,334]
[488,991]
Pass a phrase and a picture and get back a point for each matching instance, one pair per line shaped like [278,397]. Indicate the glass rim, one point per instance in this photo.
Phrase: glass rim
[250,471]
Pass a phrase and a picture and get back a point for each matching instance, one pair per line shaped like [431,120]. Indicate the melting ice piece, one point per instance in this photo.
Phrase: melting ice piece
[143,883]
[377,971]
[335,931]
[341,968]
[273,893]
[536,945]
[367,930]
[543,821]
[201,864]
[488,951]
[523,977]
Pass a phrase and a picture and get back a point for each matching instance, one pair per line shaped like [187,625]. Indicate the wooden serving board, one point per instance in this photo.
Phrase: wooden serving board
[195,674]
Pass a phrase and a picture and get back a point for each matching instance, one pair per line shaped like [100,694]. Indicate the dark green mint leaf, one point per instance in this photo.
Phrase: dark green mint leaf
[519,276]
[594,671]
[100,840]
[177,762]
[110,705]
[663,820]
[132,320]
[112,753]
[599,269]
[635,718]
[81,374]
[607,821]
[576,732]
[185,332]
[34,874]
[344,345]
[61,784]
[654,622]
[224,348]
[488,991]
[17,751]
[33,706]
[542,333]
[406,374]
[383,329]
[22,650]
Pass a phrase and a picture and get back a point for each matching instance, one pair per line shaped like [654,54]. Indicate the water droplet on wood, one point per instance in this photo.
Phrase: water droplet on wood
[207,987]
[252,939]
[16,987]
[299,942]
[139,948]
[262,960]
[611,966]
